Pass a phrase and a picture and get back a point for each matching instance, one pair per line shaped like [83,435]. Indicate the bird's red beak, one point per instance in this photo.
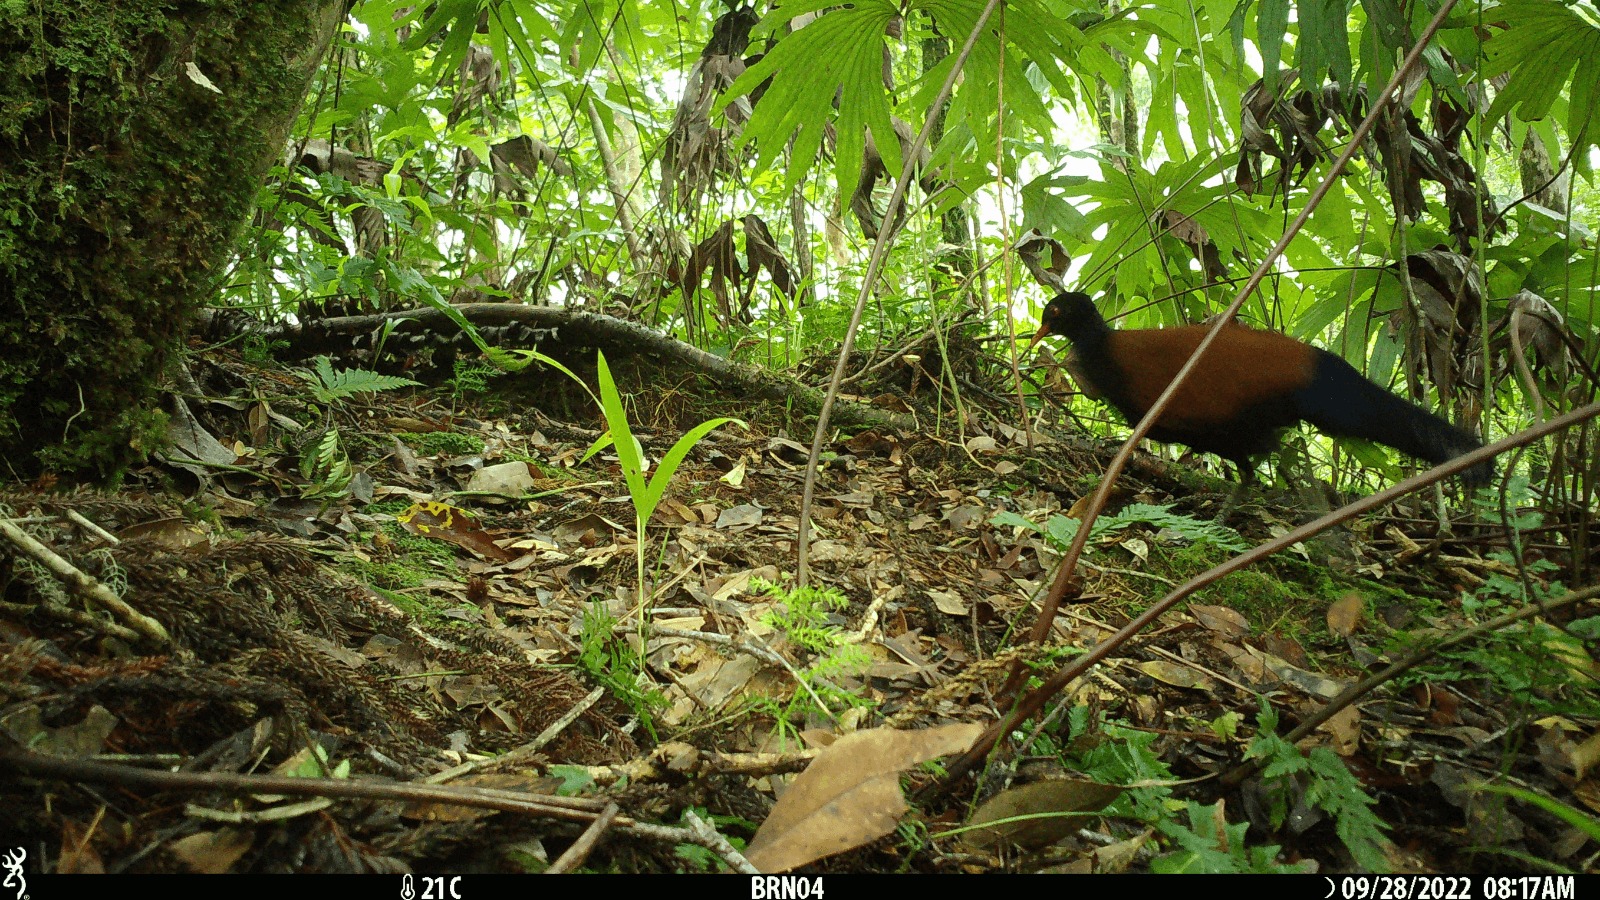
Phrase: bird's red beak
[1044,331]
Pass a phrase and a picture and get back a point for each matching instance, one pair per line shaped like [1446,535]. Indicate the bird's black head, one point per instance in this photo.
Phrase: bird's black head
[1073,316]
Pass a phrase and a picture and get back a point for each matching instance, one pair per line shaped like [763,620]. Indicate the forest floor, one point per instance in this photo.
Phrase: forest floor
[389,586]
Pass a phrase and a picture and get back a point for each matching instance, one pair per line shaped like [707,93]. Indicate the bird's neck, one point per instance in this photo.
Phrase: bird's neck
[1089,335]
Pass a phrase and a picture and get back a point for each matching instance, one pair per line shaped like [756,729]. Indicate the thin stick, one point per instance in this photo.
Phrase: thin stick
[1058,589]
[585,844]
[85,586]
[713,840]
[526,751]
[868,281]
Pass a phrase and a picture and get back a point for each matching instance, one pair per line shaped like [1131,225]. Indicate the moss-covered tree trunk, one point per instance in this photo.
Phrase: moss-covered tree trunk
[133,138]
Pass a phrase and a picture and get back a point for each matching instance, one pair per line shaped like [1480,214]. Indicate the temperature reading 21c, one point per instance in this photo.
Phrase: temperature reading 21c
[438,887]
[432,887]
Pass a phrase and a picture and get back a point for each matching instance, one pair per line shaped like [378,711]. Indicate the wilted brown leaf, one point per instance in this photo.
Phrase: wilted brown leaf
[1038,814]
[849,795]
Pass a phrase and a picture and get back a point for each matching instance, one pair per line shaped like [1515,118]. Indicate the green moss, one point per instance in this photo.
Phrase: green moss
[1273,594]
[441,553]
[387,507]
[123,182]
[403,602]
[393,575]
[443,442]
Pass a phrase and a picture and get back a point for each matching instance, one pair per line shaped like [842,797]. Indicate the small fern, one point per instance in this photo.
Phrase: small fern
[326,466]
[1187,526]
[1324,783]
[1208,844]
[802,617]
[328,384]
[1061,529]
[616,665]
[470,378]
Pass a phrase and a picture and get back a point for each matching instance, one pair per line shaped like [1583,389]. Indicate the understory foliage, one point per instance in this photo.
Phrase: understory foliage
[721,174]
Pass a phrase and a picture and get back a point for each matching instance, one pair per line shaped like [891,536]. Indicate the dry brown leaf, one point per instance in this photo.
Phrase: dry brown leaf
[1048,811]
[949,603]
[586,530]
[1345,727]
[78,856]
[1080,507]
[1229,623]
[1344,616]
[1176,675]
[715,685]
[1588,793]
[1113,859]
[1044,257]
[1138,548]
[212,852]
[86,737]
[1585,755]
[745,515]
[849,795]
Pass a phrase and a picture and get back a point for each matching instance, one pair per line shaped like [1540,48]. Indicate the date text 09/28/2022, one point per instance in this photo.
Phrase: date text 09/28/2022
[1451,887]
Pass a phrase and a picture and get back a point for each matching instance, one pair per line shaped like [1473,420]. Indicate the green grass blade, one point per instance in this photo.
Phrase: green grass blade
[669,463]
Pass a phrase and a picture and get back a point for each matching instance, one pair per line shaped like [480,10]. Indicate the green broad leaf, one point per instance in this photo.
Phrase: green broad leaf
[669,463]
[628,454]
[1323,47]
[1005,518]
[838,53]
[1545,44]
[1062,530]
[1577,818]
[1272,23]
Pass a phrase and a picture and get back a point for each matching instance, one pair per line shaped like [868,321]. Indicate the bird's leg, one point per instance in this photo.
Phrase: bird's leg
[1247,479]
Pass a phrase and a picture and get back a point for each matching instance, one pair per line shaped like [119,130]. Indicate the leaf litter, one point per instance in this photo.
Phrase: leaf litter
[473,622]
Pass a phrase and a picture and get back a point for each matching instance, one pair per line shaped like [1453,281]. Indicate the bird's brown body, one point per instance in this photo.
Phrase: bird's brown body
[1248,386]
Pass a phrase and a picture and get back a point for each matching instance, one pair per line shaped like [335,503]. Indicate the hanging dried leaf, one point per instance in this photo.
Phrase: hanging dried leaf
[873,169]
[694,151]
[1296,115]
[1532,323]
[718,254]
[762,252]
[1448,291]
[1199,242]
[522,155]
[1045,258]
[477,77]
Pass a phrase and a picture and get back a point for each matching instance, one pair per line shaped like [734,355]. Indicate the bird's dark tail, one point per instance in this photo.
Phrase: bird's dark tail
[1341,401]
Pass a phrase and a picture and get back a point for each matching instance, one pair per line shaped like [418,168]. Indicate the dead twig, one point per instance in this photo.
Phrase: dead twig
[15,762]
[85,586]
[585,844]
[714,841]
[526,751]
